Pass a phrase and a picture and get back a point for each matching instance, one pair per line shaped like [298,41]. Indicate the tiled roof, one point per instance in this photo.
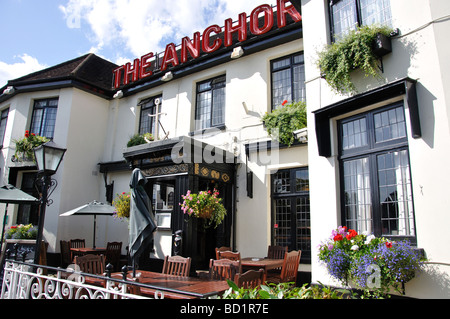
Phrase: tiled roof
[88,68]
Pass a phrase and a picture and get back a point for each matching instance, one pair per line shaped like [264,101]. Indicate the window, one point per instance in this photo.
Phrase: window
[288,80]
[3,121]
[44,117]
[346,15]
[148,108]
[376,180]
[291,213]
[28,214]
[210,110]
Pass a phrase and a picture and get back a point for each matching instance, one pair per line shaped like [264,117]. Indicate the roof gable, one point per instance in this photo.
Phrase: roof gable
[88,68]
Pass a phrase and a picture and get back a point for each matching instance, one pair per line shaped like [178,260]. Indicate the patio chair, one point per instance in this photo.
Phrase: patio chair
[223,248]
[223,269]
[276,252]
[249,279]
[113,251]
[91,264]
[289,270]
[236,256]
[177,266]
[76,243]
[66,258]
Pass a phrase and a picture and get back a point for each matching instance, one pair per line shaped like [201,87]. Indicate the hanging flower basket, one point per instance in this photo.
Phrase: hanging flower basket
[122,205]
[373,264]
[25,146]
[205,205]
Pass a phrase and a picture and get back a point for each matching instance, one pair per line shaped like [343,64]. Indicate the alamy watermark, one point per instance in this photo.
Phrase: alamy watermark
[374,280]
[198,150]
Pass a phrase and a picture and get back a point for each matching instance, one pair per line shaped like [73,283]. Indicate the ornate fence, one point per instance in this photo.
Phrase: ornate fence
[22,280]
[28,281]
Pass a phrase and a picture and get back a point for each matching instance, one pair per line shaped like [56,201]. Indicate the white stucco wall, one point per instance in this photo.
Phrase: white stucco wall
[418,54]
[247,80]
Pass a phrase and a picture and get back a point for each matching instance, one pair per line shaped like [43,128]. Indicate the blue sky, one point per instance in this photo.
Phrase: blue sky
[42,33]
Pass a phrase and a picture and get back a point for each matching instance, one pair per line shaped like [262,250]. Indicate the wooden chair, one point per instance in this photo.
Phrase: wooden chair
[276,252]
[249,279]
[223,248]
[177,266]
[91,264]
[66,258]
[113,251]
[223,269]
[289,270]
[236,256]
[77,243]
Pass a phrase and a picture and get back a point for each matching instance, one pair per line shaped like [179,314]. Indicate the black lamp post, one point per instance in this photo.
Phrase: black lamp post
[48,157]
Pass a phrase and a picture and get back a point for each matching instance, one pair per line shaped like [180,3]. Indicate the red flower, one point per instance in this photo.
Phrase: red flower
[284,102]
[338,237]
[351,233]
[388,244]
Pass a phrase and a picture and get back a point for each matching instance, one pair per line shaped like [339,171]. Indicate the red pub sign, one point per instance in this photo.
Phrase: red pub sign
[201,43]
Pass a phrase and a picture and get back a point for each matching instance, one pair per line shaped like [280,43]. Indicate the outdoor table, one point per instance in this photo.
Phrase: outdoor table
[88,250]
[261,263]
[175,285]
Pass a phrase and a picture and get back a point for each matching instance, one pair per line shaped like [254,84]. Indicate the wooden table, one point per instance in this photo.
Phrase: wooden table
[176,285]
[88,250]
[261,263]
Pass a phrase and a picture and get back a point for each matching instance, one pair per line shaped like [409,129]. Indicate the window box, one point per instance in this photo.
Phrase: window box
[382,45]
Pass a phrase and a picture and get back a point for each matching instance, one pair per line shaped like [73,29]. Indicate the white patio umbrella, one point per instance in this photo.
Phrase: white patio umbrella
[12,195]
[93,208]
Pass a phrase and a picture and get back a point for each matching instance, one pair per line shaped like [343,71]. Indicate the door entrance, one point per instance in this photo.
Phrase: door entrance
[162,194]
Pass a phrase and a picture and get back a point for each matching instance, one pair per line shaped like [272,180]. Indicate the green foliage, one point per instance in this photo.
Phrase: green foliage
[139,139]
[205,204]
[25,146]
[353,51]
[122,205]
[285,291]
[283,121]
[22,232]
[372,264]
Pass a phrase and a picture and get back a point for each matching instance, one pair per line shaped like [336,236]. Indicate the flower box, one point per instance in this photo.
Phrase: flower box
[382,45]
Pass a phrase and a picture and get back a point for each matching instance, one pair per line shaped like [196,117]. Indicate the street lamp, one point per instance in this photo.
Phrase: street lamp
[48,157]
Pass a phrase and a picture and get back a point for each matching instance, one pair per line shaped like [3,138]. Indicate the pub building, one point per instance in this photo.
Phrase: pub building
[373,160]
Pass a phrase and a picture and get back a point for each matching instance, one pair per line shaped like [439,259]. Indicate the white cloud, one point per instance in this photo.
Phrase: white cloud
[16,70]
[131,27]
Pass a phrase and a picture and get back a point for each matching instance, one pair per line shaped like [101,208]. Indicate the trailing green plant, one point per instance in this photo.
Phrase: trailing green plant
[353,51]
[138,139]
[25,146]
[373,264]
[283,121]
[285,291]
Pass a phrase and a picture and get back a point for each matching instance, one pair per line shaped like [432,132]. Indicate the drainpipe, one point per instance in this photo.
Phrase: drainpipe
[233,209]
